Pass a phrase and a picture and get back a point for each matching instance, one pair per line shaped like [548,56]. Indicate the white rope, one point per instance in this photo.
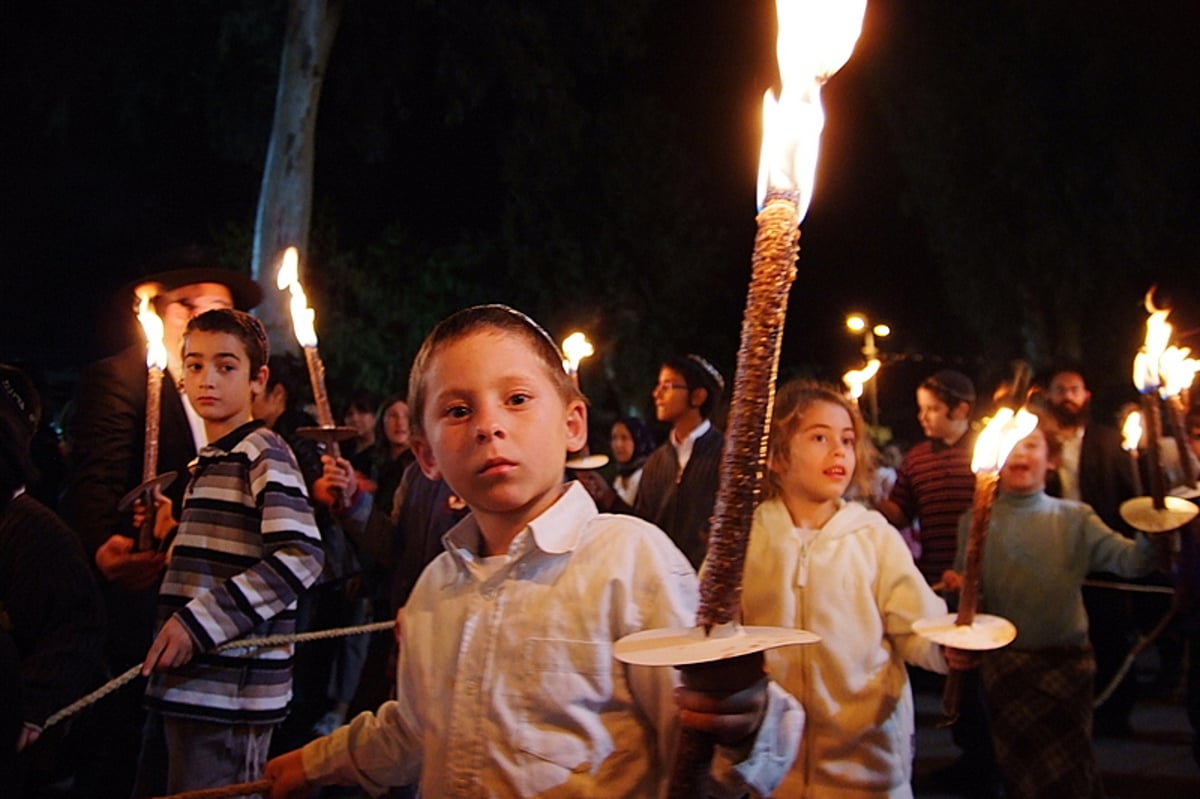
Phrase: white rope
[248,643]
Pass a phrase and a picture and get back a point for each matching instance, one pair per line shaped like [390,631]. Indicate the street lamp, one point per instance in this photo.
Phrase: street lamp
[860,324]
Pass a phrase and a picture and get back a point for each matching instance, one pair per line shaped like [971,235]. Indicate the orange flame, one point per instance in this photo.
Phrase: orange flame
[816,38]
[1131,431]
[576,347]
[303,317]
[152,327]
[997,440]
[856,379]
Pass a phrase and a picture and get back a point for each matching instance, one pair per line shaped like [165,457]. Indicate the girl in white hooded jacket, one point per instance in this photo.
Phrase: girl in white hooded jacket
[836,568]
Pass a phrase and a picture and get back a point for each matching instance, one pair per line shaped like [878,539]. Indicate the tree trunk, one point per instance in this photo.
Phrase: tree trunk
[285,200]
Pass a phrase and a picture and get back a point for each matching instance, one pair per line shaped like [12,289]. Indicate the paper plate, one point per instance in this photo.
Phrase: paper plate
[1140,514]
[1186,491]
[986,632]
[588,462]
[683,646]
[161,481]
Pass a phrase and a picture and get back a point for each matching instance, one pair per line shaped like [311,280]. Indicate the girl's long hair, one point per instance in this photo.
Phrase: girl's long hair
[792,400]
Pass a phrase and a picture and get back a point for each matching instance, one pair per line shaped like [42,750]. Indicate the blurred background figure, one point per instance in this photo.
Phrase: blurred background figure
[632,442]
[51,618]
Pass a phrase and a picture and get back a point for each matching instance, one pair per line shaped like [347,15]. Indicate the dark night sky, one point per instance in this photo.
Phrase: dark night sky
[76,209]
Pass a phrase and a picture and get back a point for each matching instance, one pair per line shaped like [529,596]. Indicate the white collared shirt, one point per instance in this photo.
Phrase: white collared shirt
[683,449]
[507,683]
[1068,464]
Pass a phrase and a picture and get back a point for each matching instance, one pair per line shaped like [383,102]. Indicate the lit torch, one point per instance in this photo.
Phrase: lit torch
[156,362]
[1157,513]
[1131,438]
[856,379]
[288,279]
[1178,371]
[969,629]
[816,38]
[575,348]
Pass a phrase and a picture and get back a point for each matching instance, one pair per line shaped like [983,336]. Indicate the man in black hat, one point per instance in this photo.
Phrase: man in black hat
[107,433]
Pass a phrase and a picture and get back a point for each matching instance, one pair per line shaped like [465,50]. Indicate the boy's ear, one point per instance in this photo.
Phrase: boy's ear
[258,382]
[425,459]
[697,397]
[577,432]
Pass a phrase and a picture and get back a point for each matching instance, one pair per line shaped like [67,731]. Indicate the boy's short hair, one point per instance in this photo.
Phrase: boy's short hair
[500,318]
[791,401]
[363,401]
[950,387]
[239,324]
[697,372]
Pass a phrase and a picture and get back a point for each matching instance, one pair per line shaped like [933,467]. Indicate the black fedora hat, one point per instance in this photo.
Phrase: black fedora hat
[185,266]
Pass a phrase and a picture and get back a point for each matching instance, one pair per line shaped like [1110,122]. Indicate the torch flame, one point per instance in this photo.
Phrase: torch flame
[576,347]
[1131,431]
[1147,364]
[855,379]
[997,440]
[1177,370]
[816,38]
[288,277]
[152,326]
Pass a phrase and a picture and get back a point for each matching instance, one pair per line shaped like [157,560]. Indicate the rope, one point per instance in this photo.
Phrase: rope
[238,789]
[1132,587]
[248,643]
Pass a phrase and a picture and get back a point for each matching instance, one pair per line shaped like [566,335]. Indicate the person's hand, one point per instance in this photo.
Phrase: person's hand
[598,487]
[962,659]
[337,483]
[951,581]
[172,648]
[133,571]
[286,774]
[27,736]
[164,517]
[726,699]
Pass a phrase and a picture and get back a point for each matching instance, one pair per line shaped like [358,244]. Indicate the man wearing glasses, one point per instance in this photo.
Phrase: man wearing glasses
[680,478]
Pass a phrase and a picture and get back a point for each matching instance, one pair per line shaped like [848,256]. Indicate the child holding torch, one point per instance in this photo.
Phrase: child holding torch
[840,570]
[1038,690]
[506,682]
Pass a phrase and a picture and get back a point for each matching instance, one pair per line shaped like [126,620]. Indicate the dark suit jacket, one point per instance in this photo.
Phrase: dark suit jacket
[1105,474]
[107,439]
[683,508]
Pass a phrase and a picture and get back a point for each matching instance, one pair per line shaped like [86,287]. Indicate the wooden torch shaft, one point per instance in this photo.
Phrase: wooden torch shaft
[968,598]
[154,380]
[774,268]
[1179,431]
[1152,419]
[316,376]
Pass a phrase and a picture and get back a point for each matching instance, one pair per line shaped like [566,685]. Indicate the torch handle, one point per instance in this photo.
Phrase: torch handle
[145,539]
[1152,419]
[693,760]
[951,694]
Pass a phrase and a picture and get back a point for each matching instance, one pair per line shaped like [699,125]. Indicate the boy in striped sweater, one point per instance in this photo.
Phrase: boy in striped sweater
[245,547]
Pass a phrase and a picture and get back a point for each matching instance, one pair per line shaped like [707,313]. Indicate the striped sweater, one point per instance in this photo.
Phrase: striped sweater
[246,547]
[934,487]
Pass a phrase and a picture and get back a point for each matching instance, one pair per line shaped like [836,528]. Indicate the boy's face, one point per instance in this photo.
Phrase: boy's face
[821,456]
[217,380]
[938,420]
[496,427]
[1025,470]
[672,400]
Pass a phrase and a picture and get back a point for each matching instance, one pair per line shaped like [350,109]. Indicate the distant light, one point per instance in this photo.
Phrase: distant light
[883,331]
[856,323]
